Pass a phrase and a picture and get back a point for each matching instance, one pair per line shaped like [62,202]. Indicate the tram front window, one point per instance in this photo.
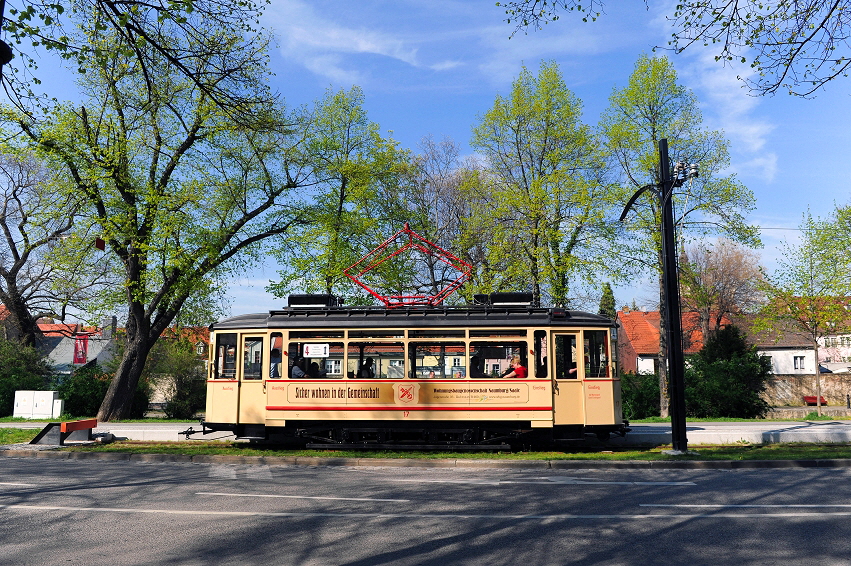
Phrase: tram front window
[225,364]
[376,360]
[493,359]
[438,360]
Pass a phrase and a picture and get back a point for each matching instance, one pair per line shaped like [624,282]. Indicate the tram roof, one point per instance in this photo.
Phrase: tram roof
[414,317]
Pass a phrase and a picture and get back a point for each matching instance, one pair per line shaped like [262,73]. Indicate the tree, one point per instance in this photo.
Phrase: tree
[151,31]
[607,302]
[651,107]
[350,217]
[438,208]
[719,281]
[180,192]
[47,259]
[548,205]
[797,45]
[727,378]
[809,290]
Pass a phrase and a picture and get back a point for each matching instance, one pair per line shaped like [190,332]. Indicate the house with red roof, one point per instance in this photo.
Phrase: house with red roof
[638,340]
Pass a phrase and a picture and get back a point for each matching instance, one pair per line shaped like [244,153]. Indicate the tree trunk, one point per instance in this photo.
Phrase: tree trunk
[21,323]
[119,397]
[138,342]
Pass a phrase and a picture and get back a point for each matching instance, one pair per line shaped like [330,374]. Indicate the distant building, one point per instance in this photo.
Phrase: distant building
[638,339]
[69,346]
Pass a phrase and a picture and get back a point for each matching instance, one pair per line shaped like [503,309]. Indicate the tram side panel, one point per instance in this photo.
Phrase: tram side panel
[439,400]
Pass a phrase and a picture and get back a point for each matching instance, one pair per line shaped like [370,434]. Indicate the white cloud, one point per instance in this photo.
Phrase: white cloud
[445,65]
[322,45]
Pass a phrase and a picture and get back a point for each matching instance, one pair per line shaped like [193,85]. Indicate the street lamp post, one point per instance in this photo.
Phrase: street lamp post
[670,281]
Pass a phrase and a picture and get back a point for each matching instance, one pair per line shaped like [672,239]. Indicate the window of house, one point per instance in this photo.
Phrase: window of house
[799,362]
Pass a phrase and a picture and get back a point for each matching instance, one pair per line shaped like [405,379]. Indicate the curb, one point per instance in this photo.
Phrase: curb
[412,463]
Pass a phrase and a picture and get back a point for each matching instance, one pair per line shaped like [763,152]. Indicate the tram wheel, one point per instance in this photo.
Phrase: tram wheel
[603,436]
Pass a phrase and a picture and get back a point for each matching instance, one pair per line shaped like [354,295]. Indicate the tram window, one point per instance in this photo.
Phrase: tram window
[565,356]
[276,346]
[313,335]
[436,333]
[225,365]
[438,360]
[495,355]
[376,334]
[596,353]
[540,353]
[497,333]
[316,360]
[380,360]
[252,358]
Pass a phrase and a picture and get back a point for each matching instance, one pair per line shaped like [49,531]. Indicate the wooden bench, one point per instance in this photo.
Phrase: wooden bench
[58,433]
[811,400]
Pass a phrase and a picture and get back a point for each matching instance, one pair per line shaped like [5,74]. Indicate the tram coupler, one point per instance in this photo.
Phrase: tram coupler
[191,430]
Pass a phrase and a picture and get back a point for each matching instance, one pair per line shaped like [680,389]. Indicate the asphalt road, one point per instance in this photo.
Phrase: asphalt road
[121,513]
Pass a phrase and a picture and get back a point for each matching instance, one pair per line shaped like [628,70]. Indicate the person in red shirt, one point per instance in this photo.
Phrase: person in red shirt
[518,371]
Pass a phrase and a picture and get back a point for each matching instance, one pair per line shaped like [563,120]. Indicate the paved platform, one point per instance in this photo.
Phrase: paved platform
[829,432]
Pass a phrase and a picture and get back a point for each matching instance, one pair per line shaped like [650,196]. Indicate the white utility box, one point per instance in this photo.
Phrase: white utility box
[37,405]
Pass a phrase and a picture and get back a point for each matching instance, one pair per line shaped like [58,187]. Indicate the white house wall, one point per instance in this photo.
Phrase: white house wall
[783,361]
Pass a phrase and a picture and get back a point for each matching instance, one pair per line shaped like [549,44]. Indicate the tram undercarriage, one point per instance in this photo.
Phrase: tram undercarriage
[416,436]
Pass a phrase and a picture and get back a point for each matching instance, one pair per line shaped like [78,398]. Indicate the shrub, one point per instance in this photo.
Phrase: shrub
[727,378]
[83,392]
[21,368]
[181,377]
[640,395]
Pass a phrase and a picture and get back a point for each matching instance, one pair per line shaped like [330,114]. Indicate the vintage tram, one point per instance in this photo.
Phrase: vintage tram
[422,377]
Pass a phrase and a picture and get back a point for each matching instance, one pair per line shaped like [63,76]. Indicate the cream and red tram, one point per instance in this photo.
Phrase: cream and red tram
[419,376]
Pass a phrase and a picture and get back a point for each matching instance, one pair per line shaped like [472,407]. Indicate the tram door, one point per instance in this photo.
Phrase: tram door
[223,387]
[252,394]
[567,379]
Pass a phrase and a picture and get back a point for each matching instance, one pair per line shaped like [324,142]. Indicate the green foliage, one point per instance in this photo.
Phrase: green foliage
[83,392]
[547,205]
[176,369]
[727,378]
[640,395]
[182,187]
[354,205]
[607,302]
[21,368]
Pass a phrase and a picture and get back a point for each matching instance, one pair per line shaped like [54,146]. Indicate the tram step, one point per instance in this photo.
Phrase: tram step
[371,446]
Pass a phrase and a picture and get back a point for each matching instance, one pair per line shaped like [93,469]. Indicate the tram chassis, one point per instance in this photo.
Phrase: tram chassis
[415,436]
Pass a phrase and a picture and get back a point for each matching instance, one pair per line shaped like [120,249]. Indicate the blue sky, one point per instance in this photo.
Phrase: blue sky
[430,67]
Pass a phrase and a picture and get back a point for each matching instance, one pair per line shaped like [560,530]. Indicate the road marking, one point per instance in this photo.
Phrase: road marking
[444,516]
[302,497]
[17,484]
[747,505]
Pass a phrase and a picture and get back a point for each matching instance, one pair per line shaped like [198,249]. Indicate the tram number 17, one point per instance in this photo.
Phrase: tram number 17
[406,414]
